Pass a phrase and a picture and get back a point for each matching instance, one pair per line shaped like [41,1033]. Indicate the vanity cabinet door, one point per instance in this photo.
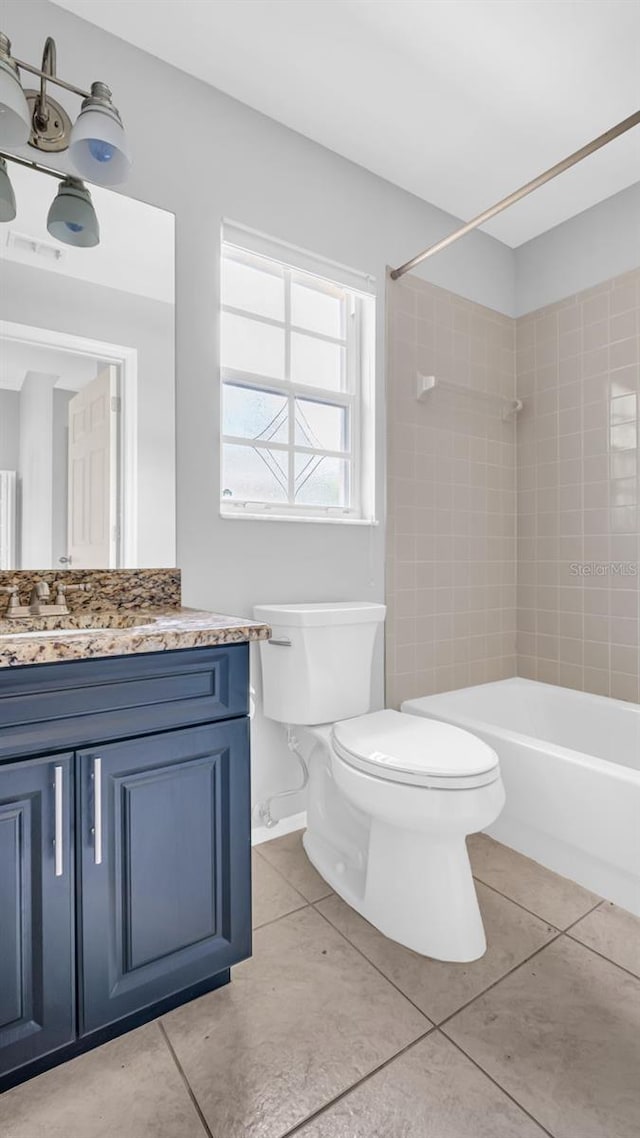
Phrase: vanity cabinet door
[165,865]
[37,975]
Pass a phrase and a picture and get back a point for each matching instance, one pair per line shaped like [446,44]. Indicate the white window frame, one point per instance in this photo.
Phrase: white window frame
[356,398]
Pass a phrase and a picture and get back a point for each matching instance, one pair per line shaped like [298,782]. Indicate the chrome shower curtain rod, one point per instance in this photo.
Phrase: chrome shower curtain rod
[559,168]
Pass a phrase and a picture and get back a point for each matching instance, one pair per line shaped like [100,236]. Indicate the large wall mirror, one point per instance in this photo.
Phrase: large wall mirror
[87,386]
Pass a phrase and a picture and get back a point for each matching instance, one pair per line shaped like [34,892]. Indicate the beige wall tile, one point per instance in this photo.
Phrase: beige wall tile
[587,631]
[451,496]
[459,536]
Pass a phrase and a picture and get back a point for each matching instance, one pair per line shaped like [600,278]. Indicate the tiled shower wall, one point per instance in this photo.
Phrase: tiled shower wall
[451,574]
[578,369]
[451,544]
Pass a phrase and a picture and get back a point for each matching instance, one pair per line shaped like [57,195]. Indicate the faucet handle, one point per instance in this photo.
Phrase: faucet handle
[62,590]
[13,591]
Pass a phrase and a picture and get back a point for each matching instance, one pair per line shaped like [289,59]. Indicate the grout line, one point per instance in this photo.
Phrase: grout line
[588,914]
[498,1085]
[495,983]
[519,905]
[439,1023]
[375,966]
[274,920]
[286,879]
[634,975]
[359,1082]
[532,912]
[185,1080]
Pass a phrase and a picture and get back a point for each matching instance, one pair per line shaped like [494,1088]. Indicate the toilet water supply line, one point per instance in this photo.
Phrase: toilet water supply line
[263,811]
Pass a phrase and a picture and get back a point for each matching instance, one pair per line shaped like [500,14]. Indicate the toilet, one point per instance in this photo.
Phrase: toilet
[391,796]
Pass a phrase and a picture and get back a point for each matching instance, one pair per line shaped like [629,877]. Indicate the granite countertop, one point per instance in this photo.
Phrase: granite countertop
[156,630]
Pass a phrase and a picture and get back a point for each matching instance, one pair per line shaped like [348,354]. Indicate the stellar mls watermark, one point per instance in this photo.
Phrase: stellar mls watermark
[604,568]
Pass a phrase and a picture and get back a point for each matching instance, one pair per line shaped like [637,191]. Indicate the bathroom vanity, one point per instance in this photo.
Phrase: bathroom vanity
[124,742]
[124,827]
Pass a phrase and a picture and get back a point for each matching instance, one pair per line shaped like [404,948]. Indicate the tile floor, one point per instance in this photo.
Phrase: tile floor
[333,1031]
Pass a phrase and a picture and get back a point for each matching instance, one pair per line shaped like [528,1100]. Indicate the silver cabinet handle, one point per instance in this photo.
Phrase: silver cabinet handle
[284,643]
[57,841]
[97,811]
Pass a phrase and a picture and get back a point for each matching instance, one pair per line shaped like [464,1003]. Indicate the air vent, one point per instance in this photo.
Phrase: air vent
[34,247]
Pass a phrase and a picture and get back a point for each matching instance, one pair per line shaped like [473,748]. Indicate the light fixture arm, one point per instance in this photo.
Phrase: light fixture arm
[96,141]
[41,111]
[49,76]
[32,165]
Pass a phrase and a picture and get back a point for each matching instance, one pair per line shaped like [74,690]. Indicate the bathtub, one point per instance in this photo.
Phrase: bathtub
[571,769]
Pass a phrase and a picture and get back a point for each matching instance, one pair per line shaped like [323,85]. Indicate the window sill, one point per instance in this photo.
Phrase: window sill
[234,516]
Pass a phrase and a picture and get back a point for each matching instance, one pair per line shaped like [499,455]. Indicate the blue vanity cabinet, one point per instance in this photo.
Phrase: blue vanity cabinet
[164,830]
[125,851]
[37,888]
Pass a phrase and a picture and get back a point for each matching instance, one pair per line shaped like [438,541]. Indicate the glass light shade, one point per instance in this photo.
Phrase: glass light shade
[72,218]
[15,119]
[98,147]
[7,196]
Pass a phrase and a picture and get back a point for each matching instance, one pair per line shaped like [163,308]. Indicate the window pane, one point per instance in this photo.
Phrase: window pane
[321,481]
[250,346]
[316,362]
[257,287]
[254,475]
[321,425]
[253,414]
[317,310]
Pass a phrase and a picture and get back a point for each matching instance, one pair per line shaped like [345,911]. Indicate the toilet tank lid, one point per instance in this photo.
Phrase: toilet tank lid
[326,613]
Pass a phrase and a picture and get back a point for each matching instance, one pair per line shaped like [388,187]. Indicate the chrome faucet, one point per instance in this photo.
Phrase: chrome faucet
[40,594]
[39,600]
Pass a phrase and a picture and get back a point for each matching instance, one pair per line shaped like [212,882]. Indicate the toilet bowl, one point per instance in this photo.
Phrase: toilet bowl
[391,797]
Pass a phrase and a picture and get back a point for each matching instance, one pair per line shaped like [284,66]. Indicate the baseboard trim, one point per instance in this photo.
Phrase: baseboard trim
[260,834]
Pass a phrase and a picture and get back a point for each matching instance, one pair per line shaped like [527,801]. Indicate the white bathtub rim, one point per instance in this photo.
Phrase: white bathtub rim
[618,771]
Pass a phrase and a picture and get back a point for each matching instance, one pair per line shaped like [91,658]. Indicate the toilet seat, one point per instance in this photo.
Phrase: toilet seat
[397,747]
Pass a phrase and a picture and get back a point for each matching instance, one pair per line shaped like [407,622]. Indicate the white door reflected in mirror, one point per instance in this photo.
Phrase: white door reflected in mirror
[93,522]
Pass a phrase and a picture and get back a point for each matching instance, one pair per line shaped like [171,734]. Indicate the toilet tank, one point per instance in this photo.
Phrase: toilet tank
[317,666]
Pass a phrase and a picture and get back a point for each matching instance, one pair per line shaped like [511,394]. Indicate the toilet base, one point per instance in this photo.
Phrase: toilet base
[420,891]
[415,890]
[397,853]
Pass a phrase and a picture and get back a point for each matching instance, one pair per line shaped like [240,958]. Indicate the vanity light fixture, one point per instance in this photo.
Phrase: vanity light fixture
[97,143]
[72,218]
[15,117]
[98,146]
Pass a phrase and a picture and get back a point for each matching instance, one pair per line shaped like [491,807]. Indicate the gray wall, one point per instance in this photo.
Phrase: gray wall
[31,296]
[9,428]
[594,246]
[216,158]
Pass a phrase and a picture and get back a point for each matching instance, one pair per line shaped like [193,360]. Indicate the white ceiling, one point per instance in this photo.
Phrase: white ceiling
[458,101]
